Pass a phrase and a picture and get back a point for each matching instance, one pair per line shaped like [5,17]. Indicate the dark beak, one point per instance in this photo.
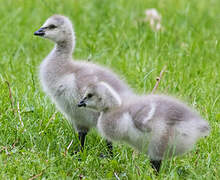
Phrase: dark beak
[40,32]
[82,103]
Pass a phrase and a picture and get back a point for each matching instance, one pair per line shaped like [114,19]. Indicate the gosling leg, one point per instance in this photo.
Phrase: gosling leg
[110,147]
[155,164]
[82,136]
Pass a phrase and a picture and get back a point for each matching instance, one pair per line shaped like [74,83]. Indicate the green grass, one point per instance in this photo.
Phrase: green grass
[112,34]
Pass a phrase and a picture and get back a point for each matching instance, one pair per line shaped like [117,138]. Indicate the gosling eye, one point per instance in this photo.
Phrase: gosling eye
[52,26]
[89,95]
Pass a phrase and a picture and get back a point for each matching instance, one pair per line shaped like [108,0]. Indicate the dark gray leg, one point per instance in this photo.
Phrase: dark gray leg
[110,147]
[156,165]
[82,136]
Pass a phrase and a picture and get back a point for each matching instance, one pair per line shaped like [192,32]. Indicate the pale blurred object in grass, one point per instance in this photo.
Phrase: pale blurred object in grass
[154,19]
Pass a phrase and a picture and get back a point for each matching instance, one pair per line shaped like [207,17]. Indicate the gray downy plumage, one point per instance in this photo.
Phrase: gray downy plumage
[157,125]
[64,80]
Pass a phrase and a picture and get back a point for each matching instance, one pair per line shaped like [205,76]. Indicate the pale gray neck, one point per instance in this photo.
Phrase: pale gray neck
[64,49]
[111,108]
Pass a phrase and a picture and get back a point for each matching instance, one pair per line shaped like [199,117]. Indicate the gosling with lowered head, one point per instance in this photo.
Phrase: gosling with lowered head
[157,125]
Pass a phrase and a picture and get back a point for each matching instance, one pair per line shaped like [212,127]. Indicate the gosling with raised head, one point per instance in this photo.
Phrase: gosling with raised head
[64,80]
[157,125]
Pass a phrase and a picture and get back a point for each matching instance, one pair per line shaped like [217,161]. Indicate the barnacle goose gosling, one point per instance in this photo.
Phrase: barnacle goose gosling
[64,80]
[157,125]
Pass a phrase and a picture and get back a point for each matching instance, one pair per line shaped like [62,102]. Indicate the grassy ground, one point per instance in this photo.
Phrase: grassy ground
[110,33]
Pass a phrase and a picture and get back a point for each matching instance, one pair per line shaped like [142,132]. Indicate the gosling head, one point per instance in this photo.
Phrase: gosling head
[57,28]
[100,97]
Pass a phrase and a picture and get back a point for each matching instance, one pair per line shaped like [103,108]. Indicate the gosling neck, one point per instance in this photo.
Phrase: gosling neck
[111,108]
[65,48]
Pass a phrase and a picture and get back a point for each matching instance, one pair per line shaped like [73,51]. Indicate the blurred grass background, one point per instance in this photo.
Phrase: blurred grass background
[111,33]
